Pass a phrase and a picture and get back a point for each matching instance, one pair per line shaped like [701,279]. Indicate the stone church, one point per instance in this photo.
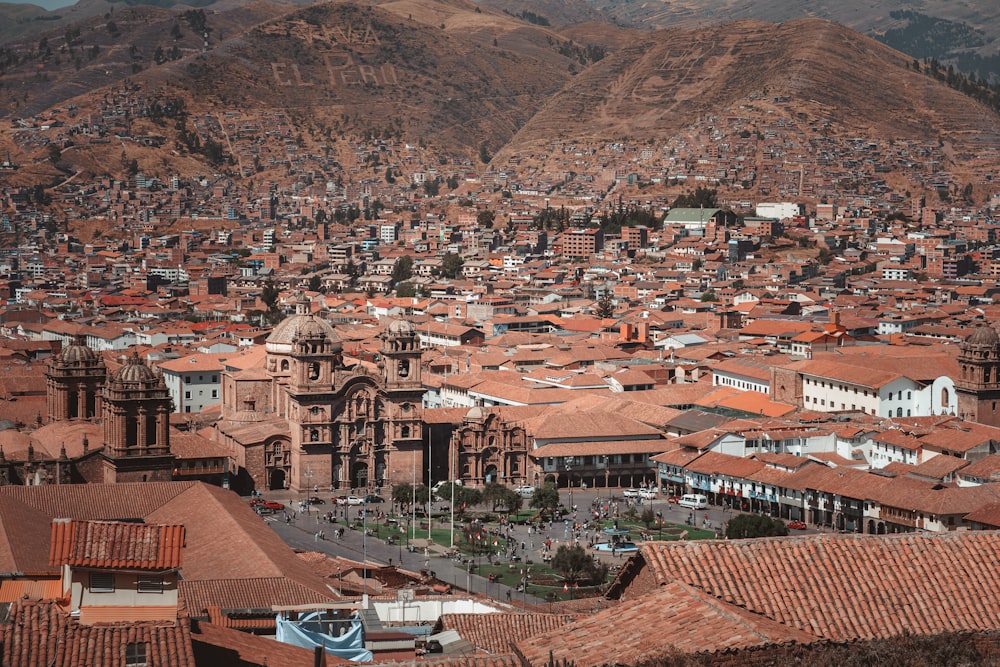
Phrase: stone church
[978,383]
[306,420]
[103,427]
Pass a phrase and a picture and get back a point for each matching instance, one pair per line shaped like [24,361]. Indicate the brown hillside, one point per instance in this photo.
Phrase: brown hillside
[674,78]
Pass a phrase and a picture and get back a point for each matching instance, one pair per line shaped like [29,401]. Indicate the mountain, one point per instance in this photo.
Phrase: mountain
[465,79]
[964,33]
[666,82]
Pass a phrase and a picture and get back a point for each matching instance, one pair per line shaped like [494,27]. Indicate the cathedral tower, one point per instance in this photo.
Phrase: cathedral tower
[978,383]
[136,412]
[402,376]
[75,377]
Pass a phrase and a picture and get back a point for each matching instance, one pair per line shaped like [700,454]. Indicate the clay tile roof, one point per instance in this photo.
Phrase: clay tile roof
[677,617]
[116,544]
[497,633]
[41,633]
[845,587]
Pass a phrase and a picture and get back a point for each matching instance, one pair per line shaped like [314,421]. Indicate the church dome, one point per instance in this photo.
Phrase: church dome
[984,337]
[78,354]
[475,414]
[135,372]
[400,328]
[298,327]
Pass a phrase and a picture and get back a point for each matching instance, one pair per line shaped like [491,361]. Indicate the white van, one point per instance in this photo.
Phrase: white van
[695,501]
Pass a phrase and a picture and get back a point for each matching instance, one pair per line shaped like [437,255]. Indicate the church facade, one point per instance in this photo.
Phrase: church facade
[306,421]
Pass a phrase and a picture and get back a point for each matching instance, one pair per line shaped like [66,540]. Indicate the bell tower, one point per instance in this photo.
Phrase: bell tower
[401,374]
[74,380]
[136,412]
[978,383]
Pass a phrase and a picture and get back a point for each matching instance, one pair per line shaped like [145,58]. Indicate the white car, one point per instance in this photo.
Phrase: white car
[355,500]
[631,493]
[525,491]
[647,494]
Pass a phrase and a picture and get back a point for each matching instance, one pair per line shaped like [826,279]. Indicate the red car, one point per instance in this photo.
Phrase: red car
[674,499]
[797,525]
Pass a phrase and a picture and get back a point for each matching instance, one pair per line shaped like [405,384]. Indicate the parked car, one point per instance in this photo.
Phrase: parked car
[340,500]
[647,494]
[355,500]
[797,525]
[316,500]
[372,498]
[525,491]
[631,493]
[271,505]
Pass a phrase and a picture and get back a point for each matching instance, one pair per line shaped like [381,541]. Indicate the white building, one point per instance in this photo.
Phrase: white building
[194,381]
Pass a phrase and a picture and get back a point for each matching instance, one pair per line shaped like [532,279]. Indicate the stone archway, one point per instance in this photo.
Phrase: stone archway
[490,474]
[277,479]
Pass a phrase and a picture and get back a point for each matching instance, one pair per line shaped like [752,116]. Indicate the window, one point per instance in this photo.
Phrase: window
[215,393]
[136,654]
[187,379]
[187,394]
[890,395]
[215,378]
[909,395]
[187,408]
[150,585]
[102,582]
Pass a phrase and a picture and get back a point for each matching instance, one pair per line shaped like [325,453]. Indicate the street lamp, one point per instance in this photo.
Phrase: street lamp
[569,483]
[308,475]
[364,544]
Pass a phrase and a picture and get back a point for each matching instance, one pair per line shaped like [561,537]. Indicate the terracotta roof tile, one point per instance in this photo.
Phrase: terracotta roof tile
[846,587]
[497,633]
[676,617]
[40,633]
[116,545]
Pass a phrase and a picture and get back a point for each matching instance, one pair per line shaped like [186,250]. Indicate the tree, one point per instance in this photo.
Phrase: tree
[402,269]
[546,498]
[700,197]
[422,494]
[755,525]
[709,296]
[405,290]
[269,295]
[402,495]
[315,283]
[574,564]
[485,218]
[352,270]
[54,153]
[647,516]
[605,306]
[498,495]
[451,265]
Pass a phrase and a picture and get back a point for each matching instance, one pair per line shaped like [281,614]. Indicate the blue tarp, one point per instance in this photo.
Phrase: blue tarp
[350,645]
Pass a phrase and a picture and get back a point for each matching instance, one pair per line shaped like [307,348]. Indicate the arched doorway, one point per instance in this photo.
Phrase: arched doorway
[359,476]
[490,474]
[277,480]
